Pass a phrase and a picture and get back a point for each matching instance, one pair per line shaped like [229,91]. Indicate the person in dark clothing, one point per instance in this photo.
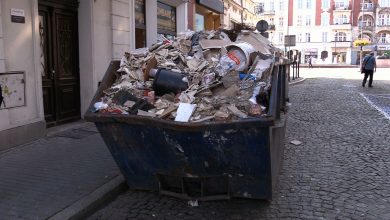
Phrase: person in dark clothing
[368,68]
[310,63]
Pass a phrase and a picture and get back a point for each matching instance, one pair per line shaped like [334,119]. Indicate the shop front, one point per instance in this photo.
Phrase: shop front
[310,53]
[166,20]
[208,14]
[140,23]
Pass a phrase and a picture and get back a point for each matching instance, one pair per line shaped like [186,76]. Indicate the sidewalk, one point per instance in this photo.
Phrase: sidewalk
[57,176]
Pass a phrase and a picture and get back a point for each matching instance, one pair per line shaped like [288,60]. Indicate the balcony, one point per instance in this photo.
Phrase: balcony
[382,6]
[367,28]
[342,8]
[339,44]
[367,7]
[345,26]
[380,28]
[269,12]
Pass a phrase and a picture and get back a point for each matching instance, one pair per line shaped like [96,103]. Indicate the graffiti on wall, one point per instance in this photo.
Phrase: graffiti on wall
[12,90]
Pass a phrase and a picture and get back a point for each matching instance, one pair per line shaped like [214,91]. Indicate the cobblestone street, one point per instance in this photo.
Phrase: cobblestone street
[341,171]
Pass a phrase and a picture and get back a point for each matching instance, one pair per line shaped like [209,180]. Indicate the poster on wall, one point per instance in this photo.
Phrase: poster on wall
[199,22]
[12,90]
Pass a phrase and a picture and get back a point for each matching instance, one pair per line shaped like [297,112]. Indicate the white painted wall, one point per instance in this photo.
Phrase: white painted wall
[19,53]
[86,53]
[96,45]
[151,22]
[103,39]
[120,12]
[182,17]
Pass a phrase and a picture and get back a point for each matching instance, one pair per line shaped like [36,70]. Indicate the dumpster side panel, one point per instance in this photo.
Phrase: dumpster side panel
[277,150]
[144,151]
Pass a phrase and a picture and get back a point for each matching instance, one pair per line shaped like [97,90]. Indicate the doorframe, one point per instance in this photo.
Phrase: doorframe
[36,39]
[36,49]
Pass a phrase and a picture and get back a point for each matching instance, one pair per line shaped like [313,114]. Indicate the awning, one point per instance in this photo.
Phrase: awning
[213,5]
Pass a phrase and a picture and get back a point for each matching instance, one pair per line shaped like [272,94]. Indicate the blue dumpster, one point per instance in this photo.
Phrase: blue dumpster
[203,161]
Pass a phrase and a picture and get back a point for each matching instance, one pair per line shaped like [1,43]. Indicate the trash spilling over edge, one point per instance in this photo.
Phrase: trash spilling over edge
[197,77]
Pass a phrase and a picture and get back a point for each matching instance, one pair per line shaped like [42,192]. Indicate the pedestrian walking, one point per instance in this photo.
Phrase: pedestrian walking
[310,62]
[368,68]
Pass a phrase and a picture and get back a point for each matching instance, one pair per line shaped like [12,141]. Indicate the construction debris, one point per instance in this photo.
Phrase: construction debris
[198,77]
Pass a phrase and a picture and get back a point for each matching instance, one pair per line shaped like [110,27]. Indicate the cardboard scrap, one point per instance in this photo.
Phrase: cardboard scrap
[184,112]
[168,111]
[215,43]
[144,113]
[237,112]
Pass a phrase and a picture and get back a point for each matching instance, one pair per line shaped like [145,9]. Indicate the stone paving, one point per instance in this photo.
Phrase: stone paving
[341,171]
[41,178]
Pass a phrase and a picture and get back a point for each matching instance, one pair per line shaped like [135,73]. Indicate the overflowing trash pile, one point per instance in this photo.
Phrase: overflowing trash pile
[199,76]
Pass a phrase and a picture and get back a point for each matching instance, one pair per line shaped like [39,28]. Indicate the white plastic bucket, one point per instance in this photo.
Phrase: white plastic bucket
[246,49]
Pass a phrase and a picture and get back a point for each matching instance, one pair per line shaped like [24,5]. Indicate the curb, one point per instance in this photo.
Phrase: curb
[85,206]
[297,82]
[330,66]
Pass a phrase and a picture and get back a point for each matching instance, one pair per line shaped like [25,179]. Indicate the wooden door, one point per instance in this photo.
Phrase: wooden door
[59,62]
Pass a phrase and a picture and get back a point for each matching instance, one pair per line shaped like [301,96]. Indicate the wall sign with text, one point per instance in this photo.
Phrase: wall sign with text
[18,15]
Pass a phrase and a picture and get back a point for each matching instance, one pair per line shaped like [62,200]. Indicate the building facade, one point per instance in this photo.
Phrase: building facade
[53,54]
[205,15]
[238,12]
[326,29]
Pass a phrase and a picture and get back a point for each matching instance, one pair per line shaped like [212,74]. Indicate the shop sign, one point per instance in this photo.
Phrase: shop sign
[17,15]
[383,47]
[214,5]
[139,8]
[166,18]
[311,51]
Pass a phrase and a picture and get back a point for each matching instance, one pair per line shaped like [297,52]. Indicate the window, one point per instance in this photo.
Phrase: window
[307,37]
[280,36]
[281,21]
[259,8]
[341,4]
[325,3]
[281,5]
[140,25]
[300,4]
[341,19]
[325,19]
[367,21]
[308,4]
[384,38]
[271,21]
[299,37]
[272,6]
[308,20]
[324,37]
[340,36]
[384,19]
[384,3]
[166,19]
[299,21]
